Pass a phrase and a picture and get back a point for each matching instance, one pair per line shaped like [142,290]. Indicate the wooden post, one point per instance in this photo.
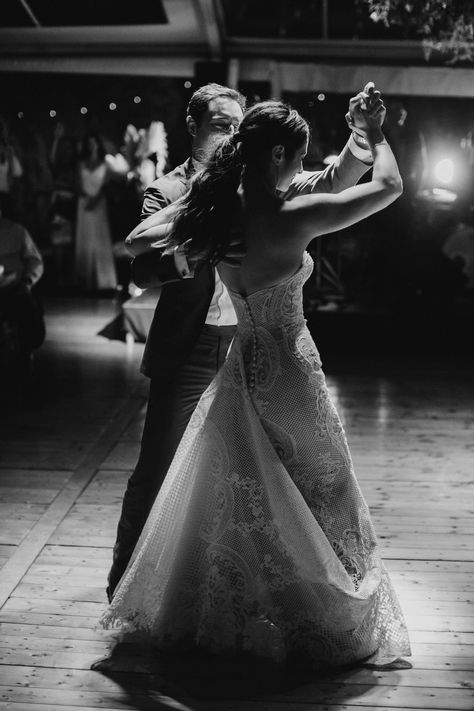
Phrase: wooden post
[233,71]
[275,80]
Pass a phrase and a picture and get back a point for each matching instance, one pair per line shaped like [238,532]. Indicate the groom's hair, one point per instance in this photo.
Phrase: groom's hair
[201,98]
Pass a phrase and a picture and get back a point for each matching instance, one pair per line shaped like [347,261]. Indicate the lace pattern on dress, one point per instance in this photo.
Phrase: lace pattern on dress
[260,539]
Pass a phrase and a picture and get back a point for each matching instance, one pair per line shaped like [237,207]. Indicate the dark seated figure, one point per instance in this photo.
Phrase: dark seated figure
[21,319]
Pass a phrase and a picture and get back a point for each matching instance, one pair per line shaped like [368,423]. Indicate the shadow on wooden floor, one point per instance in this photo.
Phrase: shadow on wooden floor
[188,681]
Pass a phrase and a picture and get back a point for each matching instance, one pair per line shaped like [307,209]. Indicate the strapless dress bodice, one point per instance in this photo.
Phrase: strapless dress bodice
[274,306]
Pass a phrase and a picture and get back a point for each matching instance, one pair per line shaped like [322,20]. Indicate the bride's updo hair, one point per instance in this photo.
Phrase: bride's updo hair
[205,216]
[269,124]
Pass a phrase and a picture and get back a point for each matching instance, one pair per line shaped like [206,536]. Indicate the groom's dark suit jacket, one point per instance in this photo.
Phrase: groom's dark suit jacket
[183,305]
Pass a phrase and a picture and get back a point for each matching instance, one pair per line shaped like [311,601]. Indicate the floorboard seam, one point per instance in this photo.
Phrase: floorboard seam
[18,564]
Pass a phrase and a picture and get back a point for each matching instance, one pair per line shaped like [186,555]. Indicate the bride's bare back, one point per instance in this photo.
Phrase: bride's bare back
[274,245]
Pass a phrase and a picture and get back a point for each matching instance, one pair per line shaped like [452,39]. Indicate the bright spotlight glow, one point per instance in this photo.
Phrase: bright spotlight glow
[444,171]
[321,97]
[83,110]
[112,106]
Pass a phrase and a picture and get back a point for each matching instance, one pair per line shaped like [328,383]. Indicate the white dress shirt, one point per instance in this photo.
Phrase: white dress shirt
[221,310]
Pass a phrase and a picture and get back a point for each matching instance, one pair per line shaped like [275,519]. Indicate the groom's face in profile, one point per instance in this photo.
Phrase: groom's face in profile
[222,118]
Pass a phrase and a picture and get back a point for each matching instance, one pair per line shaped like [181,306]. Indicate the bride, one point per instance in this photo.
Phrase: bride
[260,540]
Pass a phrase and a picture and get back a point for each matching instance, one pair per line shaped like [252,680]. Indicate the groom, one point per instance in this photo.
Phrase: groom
[194,321]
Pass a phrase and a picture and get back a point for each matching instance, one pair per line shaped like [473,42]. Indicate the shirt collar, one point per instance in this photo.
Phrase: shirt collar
[192,166]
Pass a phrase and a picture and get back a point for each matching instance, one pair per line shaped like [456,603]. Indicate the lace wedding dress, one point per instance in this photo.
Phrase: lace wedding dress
[260,539]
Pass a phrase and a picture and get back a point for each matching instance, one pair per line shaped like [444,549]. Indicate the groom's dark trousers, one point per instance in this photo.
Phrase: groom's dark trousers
[171,403]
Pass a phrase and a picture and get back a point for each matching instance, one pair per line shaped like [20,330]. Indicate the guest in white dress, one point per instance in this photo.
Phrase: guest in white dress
[94,258]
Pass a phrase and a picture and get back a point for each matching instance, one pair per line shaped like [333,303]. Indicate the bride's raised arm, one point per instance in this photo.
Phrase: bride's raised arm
[322,214]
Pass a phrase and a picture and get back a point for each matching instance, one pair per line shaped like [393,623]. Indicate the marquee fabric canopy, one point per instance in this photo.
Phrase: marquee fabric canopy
[167,38]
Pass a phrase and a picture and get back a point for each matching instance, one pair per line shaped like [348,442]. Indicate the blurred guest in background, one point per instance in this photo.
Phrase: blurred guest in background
[10,171]
[143,157]
[21,267]
[94,258]
[36,184]
[459,246]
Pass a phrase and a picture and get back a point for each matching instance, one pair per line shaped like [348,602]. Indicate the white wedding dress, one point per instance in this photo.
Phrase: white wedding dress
[260,539]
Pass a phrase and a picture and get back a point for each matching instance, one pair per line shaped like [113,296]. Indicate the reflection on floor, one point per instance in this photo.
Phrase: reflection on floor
[65,456]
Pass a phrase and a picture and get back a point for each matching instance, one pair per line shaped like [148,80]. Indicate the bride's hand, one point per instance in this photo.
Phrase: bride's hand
[235,252]
[366,111]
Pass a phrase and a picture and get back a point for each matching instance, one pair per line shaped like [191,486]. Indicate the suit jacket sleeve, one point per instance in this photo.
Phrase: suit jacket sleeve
[345,172]
[153,269]
[153,200]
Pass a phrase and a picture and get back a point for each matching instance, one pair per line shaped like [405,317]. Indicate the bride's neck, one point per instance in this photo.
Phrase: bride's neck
[258,187]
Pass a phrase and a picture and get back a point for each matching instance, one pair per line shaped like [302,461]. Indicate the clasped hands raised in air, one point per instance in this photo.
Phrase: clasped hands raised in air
[366,114]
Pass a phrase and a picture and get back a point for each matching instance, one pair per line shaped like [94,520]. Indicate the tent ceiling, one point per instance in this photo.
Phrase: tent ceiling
[84,13]
[175,27]
[258,38]
[207,29]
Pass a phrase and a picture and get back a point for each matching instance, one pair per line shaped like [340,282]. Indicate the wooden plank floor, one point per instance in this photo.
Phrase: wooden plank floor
[64,462]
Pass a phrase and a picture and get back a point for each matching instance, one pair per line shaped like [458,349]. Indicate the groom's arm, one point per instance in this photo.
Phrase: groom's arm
[348,168]
[155,269]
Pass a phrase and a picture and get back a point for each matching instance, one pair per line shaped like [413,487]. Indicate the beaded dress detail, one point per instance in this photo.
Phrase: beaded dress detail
[260,539]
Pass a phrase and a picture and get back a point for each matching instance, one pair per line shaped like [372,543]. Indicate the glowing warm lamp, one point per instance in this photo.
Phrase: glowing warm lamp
[444,171]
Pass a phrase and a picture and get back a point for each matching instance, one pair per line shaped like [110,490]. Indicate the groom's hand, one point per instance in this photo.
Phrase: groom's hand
[364,108]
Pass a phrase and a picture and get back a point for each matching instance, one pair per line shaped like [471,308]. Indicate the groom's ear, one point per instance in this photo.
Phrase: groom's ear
[192,126]
[278,154]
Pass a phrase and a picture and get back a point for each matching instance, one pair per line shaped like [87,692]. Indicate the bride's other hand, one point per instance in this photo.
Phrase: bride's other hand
[366,109]
[235,252]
